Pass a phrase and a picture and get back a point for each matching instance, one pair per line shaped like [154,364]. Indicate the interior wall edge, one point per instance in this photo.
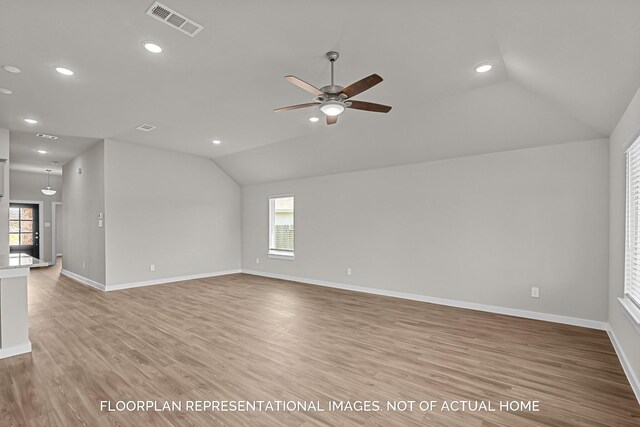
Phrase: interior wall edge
[161,281]
[547,317]
[83,280]
[15,351]
[624,361]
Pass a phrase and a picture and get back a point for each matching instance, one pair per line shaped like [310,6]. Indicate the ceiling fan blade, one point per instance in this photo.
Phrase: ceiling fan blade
[304,85]
[369,106]
[332,120]
[295,107]
[361,85]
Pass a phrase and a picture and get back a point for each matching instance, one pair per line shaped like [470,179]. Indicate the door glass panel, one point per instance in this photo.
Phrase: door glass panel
[26,213]
[23,230]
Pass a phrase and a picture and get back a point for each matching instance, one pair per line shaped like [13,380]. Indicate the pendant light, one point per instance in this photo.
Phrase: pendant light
[48,190]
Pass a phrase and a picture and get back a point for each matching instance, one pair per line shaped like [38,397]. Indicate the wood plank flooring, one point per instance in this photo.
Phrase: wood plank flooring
[243,337]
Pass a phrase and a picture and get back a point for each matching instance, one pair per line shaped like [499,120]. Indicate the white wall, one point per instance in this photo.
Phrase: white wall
[481,229]
[4,201]
[83,198]
[623,327]
[27,186]
[177,211]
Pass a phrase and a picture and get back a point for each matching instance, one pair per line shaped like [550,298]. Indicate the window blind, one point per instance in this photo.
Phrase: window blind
[632,250]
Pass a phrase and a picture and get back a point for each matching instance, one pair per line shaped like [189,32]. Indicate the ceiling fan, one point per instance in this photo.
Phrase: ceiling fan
[334,99]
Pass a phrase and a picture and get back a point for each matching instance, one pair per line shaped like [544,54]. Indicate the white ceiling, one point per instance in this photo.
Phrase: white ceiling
[24,147]
[564,71]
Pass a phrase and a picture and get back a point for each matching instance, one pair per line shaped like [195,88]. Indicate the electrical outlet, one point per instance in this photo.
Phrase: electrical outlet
[535,292]
[257,260]
[83,264]
[348,271]
[152,267]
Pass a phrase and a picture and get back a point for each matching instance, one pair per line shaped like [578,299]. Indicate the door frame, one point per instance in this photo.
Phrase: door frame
[40,204]
[54,255]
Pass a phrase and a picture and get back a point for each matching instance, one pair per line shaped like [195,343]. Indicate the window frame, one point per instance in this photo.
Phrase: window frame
[274,253]
[631,304]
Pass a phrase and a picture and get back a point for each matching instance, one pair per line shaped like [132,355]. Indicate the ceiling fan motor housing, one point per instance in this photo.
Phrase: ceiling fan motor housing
[332,89]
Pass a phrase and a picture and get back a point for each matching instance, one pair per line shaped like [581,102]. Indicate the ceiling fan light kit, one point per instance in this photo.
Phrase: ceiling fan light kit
[333,99]
[332,108]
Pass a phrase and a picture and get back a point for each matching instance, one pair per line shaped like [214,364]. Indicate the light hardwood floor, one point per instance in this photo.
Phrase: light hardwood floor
[243,337]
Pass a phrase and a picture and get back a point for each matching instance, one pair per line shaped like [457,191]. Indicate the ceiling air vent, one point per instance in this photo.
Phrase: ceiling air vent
[145,127]
[173,18]
[44,135]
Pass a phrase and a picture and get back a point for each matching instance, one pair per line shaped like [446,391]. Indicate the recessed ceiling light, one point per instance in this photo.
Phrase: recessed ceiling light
[64,71]
[31,121]
[42,151]
[483,68]
[313,119]
[11,69]
[5,91]
[152,47]
[216,141]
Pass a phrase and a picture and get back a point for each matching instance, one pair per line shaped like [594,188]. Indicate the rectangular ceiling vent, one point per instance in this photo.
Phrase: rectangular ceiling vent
[44,135]
[174,19]
[146,128]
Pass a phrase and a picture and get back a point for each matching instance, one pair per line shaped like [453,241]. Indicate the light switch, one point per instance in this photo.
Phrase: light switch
[47,224]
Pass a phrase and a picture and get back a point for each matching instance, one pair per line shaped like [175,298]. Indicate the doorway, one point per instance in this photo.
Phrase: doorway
[24,229]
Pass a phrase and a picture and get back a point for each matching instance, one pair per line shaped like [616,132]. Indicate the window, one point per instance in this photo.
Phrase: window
[632,246]
[281,227]
[20,226]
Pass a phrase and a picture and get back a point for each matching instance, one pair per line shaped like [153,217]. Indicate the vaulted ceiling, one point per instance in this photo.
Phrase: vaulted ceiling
[563,71]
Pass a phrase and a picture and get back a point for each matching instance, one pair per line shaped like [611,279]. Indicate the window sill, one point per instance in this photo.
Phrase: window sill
[288,256]
[632,311]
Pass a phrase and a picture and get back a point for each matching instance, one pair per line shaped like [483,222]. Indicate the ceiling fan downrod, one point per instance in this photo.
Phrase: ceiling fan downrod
[333,57]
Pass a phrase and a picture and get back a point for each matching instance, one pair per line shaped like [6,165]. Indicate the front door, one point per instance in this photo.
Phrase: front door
[24,236]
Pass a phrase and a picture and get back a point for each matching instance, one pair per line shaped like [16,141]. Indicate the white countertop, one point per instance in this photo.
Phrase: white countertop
[20,261]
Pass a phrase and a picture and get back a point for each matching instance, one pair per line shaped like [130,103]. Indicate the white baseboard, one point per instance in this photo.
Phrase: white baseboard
[83,280]
[160,281]
[586,323]
[631,376]
[16,350]
[168,280]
